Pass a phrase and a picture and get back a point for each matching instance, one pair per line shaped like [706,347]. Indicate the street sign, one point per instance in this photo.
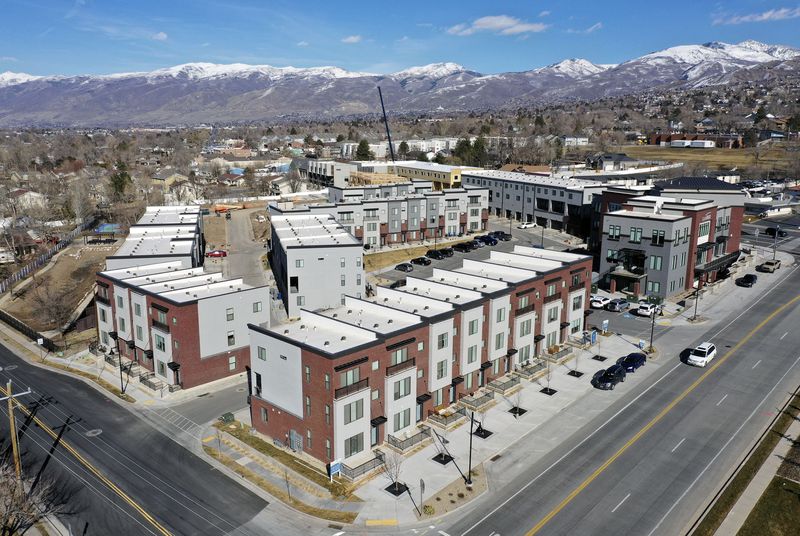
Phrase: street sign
[40,341]
[641,344]
[421,486]
[594,337]
[604,325]
[335,467]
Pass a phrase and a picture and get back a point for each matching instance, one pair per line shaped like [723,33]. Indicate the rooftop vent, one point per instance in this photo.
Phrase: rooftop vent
[326,343]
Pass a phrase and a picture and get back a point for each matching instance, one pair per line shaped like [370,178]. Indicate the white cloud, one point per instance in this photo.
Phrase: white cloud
[544,13]
[302,43]
[783,13]
[591,29]
[8,59]
[352,39]
[160,36]
[498,24]
[205,45]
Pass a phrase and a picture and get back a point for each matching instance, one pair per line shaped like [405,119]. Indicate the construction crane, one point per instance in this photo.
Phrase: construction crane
[386,122]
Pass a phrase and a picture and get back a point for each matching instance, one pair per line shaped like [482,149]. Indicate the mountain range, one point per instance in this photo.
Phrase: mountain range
[196,93]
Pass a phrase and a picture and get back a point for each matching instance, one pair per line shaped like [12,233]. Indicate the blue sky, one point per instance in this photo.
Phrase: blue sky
[105,36]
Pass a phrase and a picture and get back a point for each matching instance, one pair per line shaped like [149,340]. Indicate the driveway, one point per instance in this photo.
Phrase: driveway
[244,253]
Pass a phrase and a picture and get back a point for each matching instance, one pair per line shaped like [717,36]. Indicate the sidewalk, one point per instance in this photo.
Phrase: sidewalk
[747,501]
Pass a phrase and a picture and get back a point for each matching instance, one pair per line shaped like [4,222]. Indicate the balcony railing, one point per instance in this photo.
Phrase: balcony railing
[101,299]
[400,367]
[342,392]
[554,297]
[404,444]
[524,310]
[353,473]
[449,419]
[475,402]
[160,325]
[577,286]
[371,218]
[503,385]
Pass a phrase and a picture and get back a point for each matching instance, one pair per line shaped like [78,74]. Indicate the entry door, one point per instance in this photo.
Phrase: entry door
[295,441]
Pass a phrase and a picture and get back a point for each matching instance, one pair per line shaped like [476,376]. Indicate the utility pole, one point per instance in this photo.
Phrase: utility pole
[775,241]
[653,328]
[469,464]
[12,426]
[542,236]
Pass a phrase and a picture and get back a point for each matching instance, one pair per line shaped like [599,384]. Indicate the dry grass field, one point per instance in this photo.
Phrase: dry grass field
[775,158]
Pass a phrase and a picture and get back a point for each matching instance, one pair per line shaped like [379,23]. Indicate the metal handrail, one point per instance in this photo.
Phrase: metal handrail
[350,389]
[401,366]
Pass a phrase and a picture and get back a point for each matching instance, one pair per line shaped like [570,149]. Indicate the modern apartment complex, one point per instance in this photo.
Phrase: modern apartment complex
[316,262]
[442,176]
[561,204]
[401,213]
[339,382]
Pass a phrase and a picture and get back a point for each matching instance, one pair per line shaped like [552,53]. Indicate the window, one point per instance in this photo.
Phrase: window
[576,280]
[257,307]
[161,316]
[342,280]
[399,356]
[636,235]
[704,229]
[350,377]
[376,394]
[402,419]
[162,368]
[342,262]
[552,314]
[308,406]
[523,302]
[674,261]
[612,255]
[353,411]
[229,314]
[298,263]
[499,341]
[102,315]
[353,445]
[308,439]
[472,353]
[328,448]
[551,290]
[137,309]
[654,287]
[376,365]
[525,328]
[372,227]
[119,301]
[658,238]
[308,374]
[575,326]
[420,346]
[231,338]
[264,415]
[441,341]
[441,369]
[420,373]
[121,322]
[358,280]
[614,231]
[473,326]
[656,262]
[327,382]
[327,414]
[683,258]
[261,353]
[301,301]
[161,344]
[358,262]
[139,334]
[501,314]
[577,303]
[232,362]
[402,388]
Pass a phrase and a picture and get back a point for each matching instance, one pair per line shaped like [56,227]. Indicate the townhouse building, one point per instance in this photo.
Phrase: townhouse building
[564,204]
[183,325]
[442,176]
[339,382]
[315,261]
[391,214]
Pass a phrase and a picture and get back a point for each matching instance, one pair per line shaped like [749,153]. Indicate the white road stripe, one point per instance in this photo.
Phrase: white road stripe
[757,363]
[620,502]
[722,400]
[785,334]
[678,445]
[339,533]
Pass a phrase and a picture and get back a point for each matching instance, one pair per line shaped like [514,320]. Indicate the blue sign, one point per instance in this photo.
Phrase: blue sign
[335,468]
[604,325]
[594,337]
[641,344]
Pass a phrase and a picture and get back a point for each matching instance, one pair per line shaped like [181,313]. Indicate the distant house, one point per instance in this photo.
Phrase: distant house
[610,162]
[167,177]
[574,141]
[28,199]
[230,179]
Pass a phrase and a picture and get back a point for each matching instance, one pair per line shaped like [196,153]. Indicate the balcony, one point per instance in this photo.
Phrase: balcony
[347,390]
[161,326]
[577,286]
[370,217]
[524,310]
[504,386]
[554,297]
[477,402]
[405,444]
[101,299]
[400,367]
[447,418]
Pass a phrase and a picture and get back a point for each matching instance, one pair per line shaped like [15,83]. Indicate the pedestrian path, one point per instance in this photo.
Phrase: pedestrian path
[175,419]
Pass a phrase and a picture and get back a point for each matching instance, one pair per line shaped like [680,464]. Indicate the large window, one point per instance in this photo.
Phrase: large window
[353,411]
[501,314]
[658,238]
[577,303]
[704,229]
[552,314]
[137,309]
[349,377]
[402,419]
[353,445]
[525,328]
[551,289]
[523,302]
[399,356]
[402,388]
[472,353]
[441,369]
[161,344]
[441,341]
[614,231]
[499,341]
[473,326]
[656,262]
[636,235]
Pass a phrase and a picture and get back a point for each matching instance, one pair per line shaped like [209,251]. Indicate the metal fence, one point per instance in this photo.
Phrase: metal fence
[503,385]
[28,331]
[353,473]
[42,258]
[477,402]
[447,420]
[405,444]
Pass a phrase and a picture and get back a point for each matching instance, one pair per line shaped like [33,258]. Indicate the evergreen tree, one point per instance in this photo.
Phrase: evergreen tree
[403,148]
[363,152]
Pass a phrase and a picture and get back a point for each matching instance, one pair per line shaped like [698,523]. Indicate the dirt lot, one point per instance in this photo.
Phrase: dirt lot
[215,231]
[66,280]
[261,230]
[775,158]
[382,259]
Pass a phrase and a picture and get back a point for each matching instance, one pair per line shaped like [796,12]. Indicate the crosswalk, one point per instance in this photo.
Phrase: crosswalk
[177,420]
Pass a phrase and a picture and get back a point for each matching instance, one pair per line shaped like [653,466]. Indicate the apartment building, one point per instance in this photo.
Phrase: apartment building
[442,176]
[401,213]
[564,204]
[315,261]
[339,382]
[184,325]
[163,234]
[323,172]
[661,246]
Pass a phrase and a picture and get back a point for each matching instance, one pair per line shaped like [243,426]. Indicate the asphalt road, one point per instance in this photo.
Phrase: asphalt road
[181,491]
[244,253]
[651,462]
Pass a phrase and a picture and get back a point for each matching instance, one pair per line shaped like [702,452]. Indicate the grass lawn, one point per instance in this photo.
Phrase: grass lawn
[777,512]
[775,158]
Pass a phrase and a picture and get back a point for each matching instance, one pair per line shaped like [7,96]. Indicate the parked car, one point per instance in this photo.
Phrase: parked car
[526,225]
[702,355]
[617,305]
[447,252]
[632,361]
[217,253]
[488,240]
[462,247]
[502,235]
[477,244]
[435,254]
[599,302]
[775,231]
[648,309]
[404,267]
[399,283]
[609,378]
[769,266]
[748,280]
[421,261]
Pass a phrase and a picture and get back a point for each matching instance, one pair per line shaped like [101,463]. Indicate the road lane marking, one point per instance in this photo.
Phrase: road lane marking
[678,445]
[92,469]
[625,498]
[757,362]
[655,420]
[629,404]
[782,336]
[722,400]
[381,522]
[719,452]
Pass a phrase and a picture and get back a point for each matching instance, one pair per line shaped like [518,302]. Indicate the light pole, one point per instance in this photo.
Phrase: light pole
[542,236]
[468,481]
[653,328]
[775,242]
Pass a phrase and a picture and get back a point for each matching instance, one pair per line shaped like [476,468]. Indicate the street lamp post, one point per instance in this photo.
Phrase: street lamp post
[542,236]
[775,242]
[653,328]
[468,482]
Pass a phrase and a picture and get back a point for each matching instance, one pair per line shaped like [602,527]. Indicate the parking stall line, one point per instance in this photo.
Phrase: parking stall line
[625,498]
[678,445]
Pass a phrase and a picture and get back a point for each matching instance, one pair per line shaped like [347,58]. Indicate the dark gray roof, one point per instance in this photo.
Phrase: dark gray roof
[696,183]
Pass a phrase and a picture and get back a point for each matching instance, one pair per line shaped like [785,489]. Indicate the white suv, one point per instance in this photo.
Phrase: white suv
[526,225]
[702,354]
[648,309]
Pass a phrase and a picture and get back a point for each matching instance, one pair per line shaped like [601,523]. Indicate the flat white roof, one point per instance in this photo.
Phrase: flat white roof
[648,215]
[298,230]
[170,215]
[437,290]
[411,303]
[210,290]
[322,334]
[145,270]
[154,246]
[497,271]
[433,166]
[480,284]
[538,180]
[371,316]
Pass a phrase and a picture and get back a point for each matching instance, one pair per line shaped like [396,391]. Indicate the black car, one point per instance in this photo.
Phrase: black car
[421,261]
[609,378]
[502,235]
[488,240]
[447,252]
[399,283]
[404,267]
[633,361]
[435,254]
[477,244]
[775,231]
[748,280]
[463,247]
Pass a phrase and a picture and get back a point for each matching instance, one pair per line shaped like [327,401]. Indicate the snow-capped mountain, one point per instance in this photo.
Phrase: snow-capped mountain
[205,92]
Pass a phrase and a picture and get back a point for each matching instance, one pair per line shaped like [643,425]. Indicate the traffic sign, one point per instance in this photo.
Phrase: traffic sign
[604,325]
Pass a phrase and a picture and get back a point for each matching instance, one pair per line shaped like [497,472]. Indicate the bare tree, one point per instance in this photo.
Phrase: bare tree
[294,180]
[393,466]
[23,506]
